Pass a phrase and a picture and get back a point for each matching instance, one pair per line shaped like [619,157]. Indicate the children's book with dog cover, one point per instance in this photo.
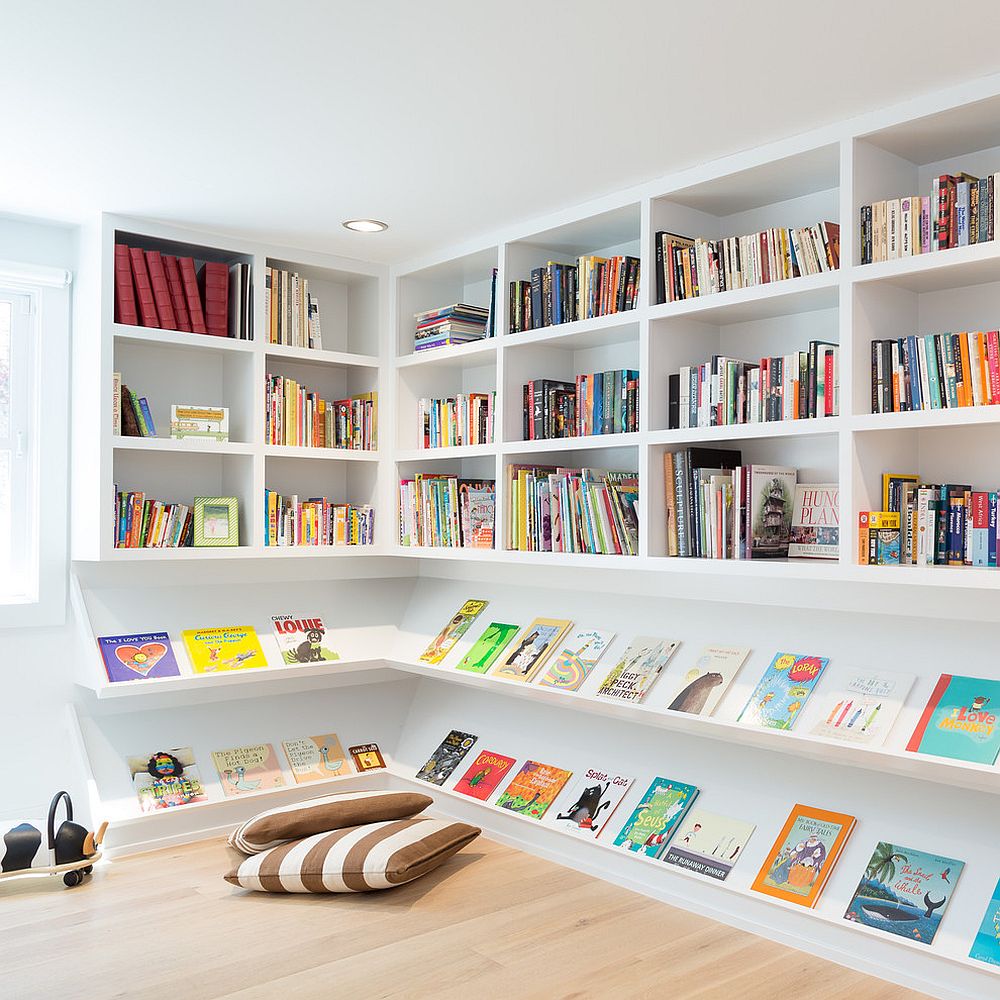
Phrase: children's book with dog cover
[302,640]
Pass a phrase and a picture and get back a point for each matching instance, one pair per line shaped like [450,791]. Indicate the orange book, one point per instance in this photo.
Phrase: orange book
[965,387]
[804,855]
[984,371]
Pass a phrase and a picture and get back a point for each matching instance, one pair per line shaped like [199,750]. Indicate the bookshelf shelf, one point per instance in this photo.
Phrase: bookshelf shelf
[175,338]
[571,444]
[594,332]
[477,353]
[938,270]
[963,416]
[743,432]
[192,445]
[321,357]
[435,454]
[321,454]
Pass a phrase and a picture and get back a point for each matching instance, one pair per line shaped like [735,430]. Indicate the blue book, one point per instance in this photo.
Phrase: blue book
[653,821]
[147,417]
[986,944]
[991,539]
[781,693]
[957,721]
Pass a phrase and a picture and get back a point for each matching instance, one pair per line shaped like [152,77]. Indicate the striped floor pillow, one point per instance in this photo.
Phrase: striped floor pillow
[320,815]
[373,856]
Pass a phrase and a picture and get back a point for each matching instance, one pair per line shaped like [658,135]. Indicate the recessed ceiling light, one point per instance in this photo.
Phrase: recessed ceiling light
[366,225]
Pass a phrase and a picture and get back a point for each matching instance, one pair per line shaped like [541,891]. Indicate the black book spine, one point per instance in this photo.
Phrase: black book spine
[674,402]
[537,310]
[661,274]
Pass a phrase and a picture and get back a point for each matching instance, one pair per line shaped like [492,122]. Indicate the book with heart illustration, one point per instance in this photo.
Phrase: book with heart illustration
[138,657]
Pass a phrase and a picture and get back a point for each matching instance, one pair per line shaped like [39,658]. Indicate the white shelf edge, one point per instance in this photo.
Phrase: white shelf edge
[433,454]
[177,338]
[311,355]
[740,432]
[192,446]
[325,454]
[551,335]
[456,354]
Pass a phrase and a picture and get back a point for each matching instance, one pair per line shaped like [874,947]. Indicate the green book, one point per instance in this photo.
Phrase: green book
[488,647]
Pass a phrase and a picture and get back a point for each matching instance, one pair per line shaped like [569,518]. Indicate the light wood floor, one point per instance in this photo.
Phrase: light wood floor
[495,922]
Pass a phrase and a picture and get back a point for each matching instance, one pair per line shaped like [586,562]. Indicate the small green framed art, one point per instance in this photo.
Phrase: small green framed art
[216,521]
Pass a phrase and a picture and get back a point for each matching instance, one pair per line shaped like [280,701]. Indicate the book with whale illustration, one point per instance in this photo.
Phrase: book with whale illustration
[699,689]
[904,891]
[864,708]
[959,720]
[591,802]
[137,657]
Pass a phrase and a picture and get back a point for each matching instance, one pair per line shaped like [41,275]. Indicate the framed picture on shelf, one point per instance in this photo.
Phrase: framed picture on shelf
[216,521]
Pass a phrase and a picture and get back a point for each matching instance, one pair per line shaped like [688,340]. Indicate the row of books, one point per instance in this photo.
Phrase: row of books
[454,421]
[689,267]
[459,323]
[297,416]
[443,511]
[289,521]
[160,290]
[131,416]
[292,310]
[563,293]
[601,403]
[144,523]
[936,371]
[961,210]
[553,509]
[723,391]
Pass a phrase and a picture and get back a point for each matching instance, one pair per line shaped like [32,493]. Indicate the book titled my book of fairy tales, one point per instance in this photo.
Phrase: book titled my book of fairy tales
[216,649]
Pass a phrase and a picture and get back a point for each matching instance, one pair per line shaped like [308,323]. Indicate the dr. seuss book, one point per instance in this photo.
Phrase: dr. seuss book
[533,789]
[865,708]
[592,801]
[986,944]
[815,531]
[781,693]
[457,626]
[367,757]
[485,775]
[655,818]
[137,657]
[166,778]
[313,758]
[248,769]
[803,857]
[700,689]
[446,758]
[578,655]
[960,721]
[525,657]
[638,668]
[708,844]
[302,640]
[488,647]
[214,649]
[904,892]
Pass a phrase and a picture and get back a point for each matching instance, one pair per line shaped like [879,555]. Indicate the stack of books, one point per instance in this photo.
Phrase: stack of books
[443,511]
[455,324]
[295,415]
[316,521]
[601,403]
[688,267]
[463,419]
[141,523]
[292,310]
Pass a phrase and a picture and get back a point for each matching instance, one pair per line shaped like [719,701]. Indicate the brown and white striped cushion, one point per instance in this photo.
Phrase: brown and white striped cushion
[374,856]
[320,815]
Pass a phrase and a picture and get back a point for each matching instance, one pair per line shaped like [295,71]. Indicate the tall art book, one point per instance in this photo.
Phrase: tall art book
[653,821]
[781,693]
[640,665]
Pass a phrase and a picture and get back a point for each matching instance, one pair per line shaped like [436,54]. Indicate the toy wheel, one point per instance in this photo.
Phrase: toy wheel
[72,878]
[87,871]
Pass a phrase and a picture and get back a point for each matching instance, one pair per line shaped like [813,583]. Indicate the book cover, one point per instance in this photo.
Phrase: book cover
[302,640]
[865,708]
[635,672]
[247,769]
[708,844]
[314,758]
[488,647]
[533,789]
[699,690]
[957,721]
[782,692]
[367,757]
[804,855]
[166,779]
[772,491]
[137,656]
[485,775]
[986,944]
[531,648]
[578,655]
[592,799]
[449,754]
[215,649]
[815,529]
[904,892]
[457,626]
[648,830]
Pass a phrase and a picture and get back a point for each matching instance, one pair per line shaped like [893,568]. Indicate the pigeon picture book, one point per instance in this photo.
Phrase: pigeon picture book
[138,656]
[708,844]
[485,775]
[591,802]
[533,789]
[578,655]
[315,758]
[450,753]
[864,708]
[781,694]
[959,720]
[699,689]
[653,821]
[248,769]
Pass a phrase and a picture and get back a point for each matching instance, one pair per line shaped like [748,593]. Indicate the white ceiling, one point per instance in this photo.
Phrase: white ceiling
[446,119]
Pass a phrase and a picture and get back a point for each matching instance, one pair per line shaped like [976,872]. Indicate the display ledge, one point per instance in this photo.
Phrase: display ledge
[343,359]
[454,451]
[512,449]
[960,416]
[175,338]
[935,271]
[613,328]
[236,552]
[471,355]
[325,454]
[191,445]
[740,432]
[921,767]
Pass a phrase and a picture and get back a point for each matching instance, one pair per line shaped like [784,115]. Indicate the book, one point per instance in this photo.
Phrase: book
[700,689]
[166,779]
[443,511]
[458,323]
[533,789]
[298,416]
[864,709]
[455,421]
[248,769]
[190,421]
[457,626]
[316,521]
[126,311]
[593,799]
[450,753]
[634,674]
[698,524]
[904,891]
[142,522]
[484,776]
[804,855]
[531,648]
[815,527]
[494,640]
[708,845]
[316,758]
[213,280]
[986,943]
[957,722]
[578,654]
[781,693]
[301,640]
[598,403]
[367,757]
[653,821]
[137,656]
[770,494]
[192,293]
[214,649]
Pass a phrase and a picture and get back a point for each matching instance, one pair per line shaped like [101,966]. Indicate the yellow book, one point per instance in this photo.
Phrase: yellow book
[457,626]
[522,510]
[528,653]
[212,650]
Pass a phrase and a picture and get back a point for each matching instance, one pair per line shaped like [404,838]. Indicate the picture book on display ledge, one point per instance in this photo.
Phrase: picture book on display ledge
[707,844]
[213,650]
[864,709]
[530,649]
[640,665]
[248,769]
[904,892]
[592,801]
[781,694]
[484,777]
[653,821]
[533,789]
[485,650]
[302,640]
[578,655]
[315,758]
[699,690]
[959,720]
[459,623]
[986,944]
[138,656]
[449,754]
[166,779]
[367,757]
